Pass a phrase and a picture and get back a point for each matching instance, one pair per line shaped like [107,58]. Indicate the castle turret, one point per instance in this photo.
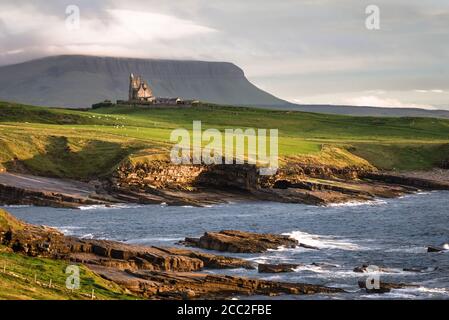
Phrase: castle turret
[131,87]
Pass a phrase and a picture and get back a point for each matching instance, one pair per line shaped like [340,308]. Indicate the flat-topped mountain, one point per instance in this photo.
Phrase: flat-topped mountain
[80,81]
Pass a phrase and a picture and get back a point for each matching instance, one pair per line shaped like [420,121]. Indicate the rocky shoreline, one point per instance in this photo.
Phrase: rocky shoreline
[199,185]
[150,272]
[154,272]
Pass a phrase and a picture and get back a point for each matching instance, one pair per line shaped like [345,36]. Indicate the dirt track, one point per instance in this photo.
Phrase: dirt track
[42,184]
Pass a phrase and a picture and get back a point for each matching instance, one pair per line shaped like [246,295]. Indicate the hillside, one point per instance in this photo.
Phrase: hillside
[26,277]
[80,81]
[86,144]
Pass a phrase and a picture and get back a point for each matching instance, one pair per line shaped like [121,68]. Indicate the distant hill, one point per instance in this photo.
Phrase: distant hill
[366,111]
[80,81]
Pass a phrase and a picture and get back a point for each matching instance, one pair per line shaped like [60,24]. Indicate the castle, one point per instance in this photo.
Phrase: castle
[139,90]
[141,94]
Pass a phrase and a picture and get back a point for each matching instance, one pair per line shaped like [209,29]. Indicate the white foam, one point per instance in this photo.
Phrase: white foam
[93,207]
[12,206]
[309,267]
[419,292]
[358,203]
[87,236]
[408,249]
[394,294]
[260,259]
[68,230]
[109,207]
[323,242]
[433,290]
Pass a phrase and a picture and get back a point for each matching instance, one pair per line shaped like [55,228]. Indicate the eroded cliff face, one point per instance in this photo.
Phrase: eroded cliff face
[162,182]
[165,175]
[295,183]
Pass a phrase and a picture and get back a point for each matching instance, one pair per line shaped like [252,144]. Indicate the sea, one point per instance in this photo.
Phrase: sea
[391,234]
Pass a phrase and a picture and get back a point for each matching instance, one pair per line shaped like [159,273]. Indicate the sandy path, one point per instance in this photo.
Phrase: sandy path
[42,184]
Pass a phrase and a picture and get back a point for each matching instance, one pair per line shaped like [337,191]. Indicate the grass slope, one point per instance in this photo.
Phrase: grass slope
[23,277]
[18,282]
[86,144]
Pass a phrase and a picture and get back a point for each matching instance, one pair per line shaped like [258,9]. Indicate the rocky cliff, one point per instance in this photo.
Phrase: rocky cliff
[80,81]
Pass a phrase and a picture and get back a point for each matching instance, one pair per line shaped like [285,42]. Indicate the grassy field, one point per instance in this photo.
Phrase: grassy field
[83,144]
[17,280]
[23,277]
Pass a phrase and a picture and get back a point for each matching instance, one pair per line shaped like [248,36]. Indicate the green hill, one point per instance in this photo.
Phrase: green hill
[84,144]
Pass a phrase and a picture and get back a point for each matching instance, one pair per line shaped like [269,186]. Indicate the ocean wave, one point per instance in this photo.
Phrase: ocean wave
[87,236]
[417,293]
[13,206]
[409,249]
[323,242]
[68,230]
[110,207]
[358,203]
[433,290]
[393,294]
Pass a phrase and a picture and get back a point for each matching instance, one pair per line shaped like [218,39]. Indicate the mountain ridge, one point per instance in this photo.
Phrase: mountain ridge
[80,80]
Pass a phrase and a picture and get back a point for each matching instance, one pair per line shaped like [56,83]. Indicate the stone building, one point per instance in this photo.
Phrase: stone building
[139,90]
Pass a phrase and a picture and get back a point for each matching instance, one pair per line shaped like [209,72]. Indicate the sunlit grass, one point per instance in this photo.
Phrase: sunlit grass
[83,144]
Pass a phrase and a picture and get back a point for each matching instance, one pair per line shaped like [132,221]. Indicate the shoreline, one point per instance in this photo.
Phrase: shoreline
[151,272]
[24,189]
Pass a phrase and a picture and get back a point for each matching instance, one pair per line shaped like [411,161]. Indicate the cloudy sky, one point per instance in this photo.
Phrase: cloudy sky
[305,51]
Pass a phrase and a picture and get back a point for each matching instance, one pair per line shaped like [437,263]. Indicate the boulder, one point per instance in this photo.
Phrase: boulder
[324,265]
[306,246]
[418,270]
[240,241]
[277,268]
[365,268]
[182,285]
[444,247]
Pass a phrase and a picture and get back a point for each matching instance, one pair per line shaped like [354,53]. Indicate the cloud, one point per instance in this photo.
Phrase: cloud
[114,32]
[150,26]
[430,91]
[313,50]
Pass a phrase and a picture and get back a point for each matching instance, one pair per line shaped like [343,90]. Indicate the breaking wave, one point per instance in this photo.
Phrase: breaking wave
[358,203]
[323,242]
[110,207]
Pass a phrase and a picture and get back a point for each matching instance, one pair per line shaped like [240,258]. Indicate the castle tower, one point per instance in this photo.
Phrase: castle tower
[139,89]
[131,87]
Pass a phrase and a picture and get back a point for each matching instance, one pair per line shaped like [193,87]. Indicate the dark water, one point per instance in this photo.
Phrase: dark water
[389,233]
